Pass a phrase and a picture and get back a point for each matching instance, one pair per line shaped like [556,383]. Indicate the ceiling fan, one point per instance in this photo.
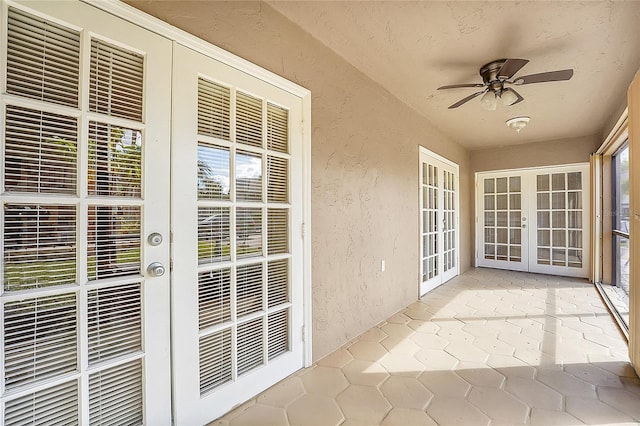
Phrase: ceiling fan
[497,76]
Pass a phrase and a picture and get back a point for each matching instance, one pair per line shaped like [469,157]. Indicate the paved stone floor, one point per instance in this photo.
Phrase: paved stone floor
[488,347]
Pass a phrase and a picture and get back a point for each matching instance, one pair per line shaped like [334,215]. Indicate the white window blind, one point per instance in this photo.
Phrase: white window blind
[43,59]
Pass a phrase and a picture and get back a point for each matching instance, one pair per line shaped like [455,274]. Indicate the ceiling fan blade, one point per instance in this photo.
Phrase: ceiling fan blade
[511,67]
[455,86]
[468,98]
[543,77]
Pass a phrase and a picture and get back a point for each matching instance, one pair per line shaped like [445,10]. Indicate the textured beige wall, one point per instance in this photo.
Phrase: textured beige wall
[550,153]
[364,166]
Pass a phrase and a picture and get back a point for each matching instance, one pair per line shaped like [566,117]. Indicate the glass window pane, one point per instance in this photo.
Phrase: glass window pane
[560,238]
[559,219]
[515,236]
[249,232]
[489,186]
[543,220]
[501,202]
[248,176]
[213,172]
[544,238]
[502,235]
[514,184]
[213,234]
[501,185]
[621,190]
[574,200]
[574,181]
[489,218]
[543,201]
[542,182]
[558,182]
[544,256]
[502,219]
[558,201]
[514,201]
[574,219]
[514,219]
[489,235]
[489,202]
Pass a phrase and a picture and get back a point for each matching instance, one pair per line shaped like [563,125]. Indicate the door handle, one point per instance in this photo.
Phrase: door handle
[156,269]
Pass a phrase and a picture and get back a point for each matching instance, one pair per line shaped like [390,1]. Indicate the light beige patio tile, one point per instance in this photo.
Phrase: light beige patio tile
[326,381]
[466,352]
[606,340]
[363,403]
[594,375]
[422,326]
[405,392]
[403,345]
[480,374]
[622,400]
[511,366]
[367,351]
[283,393]
[366,373]
[479,329]
[534,393]
[398,330]
[455,411]
[407,417]
[541,417]
[399,318]
[445,383]
[402,364]
[337,359]
[429,341]
[566,384]
[315,410]
[437,360]
[499,405]
[373,335]
[519,340]
[262,415]
[593,411]
[492,345]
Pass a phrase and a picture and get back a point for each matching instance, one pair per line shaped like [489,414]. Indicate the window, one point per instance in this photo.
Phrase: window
[620,222]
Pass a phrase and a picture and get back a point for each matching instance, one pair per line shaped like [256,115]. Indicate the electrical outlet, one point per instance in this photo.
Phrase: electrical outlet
[383,265]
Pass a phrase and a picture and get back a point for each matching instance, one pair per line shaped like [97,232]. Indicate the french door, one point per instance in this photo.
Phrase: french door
[237,243]
[85,150]
[438,220]
[534,220]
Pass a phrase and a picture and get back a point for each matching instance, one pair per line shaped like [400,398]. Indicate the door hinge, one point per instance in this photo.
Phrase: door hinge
[302,230]
[304,333]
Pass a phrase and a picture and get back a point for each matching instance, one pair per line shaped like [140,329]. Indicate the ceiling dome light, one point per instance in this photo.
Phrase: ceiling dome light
[489,101]
[518,123]
[508,98]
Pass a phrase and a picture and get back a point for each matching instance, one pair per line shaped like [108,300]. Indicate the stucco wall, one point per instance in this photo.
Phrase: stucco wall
[364,166]
[549,153]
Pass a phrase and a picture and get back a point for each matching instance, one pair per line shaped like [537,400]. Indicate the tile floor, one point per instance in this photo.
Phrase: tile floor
[489,347]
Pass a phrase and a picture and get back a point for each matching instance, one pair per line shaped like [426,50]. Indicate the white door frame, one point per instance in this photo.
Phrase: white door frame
[129,13]
[424,287]
[530,207]
[153,201]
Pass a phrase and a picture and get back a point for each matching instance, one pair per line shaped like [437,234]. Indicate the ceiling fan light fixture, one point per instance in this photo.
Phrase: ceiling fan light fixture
[508,98]
[489,101]
[518,123]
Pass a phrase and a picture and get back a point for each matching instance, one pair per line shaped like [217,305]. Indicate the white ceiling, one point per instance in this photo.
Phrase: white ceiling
[412,48]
